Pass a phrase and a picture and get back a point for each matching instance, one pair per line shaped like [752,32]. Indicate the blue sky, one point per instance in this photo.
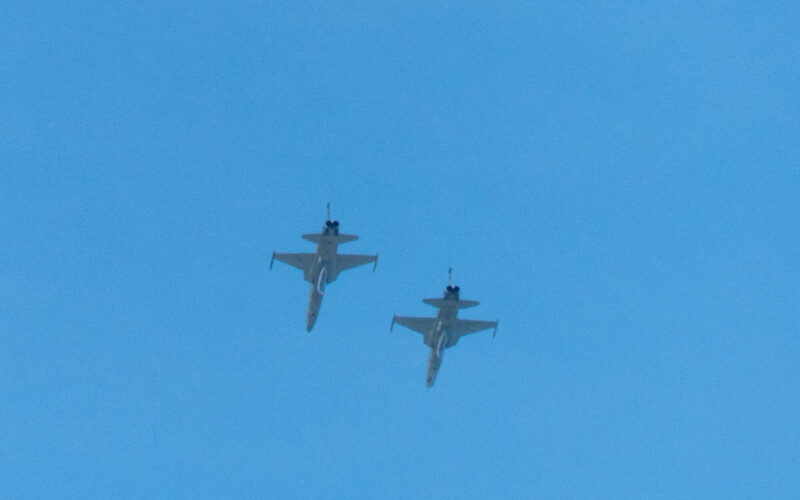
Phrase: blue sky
[618,184]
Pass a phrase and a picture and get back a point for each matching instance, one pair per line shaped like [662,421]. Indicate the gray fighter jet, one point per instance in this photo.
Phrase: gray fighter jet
[324,266]
[445,329]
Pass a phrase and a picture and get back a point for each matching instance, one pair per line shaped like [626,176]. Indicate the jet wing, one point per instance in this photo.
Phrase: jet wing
[299,260]
[344,262]
[466,326]
[421,325]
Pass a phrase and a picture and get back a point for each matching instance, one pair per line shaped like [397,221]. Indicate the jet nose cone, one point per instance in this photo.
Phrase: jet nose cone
[312,318]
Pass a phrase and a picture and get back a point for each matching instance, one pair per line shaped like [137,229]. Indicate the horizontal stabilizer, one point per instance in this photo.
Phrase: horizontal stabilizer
[462,304]
[336,238]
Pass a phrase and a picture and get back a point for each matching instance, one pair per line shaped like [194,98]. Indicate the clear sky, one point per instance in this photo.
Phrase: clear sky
[618,184]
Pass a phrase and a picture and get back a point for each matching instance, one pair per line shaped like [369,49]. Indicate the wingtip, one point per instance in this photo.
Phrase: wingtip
[272,261]
[374,266]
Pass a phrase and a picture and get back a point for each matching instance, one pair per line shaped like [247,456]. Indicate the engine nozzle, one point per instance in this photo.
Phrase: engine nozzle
[331,227]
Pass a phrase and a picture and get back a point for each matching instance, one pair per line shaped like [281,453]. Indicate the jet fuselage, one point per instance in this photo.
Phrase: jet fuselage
[444,330]
[445,317]
[327,248]
[324,265]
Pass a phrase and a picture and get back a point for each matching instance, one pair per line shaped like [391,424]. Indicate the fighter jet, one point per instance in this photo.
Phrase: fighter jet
[445,329]
[324,266]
